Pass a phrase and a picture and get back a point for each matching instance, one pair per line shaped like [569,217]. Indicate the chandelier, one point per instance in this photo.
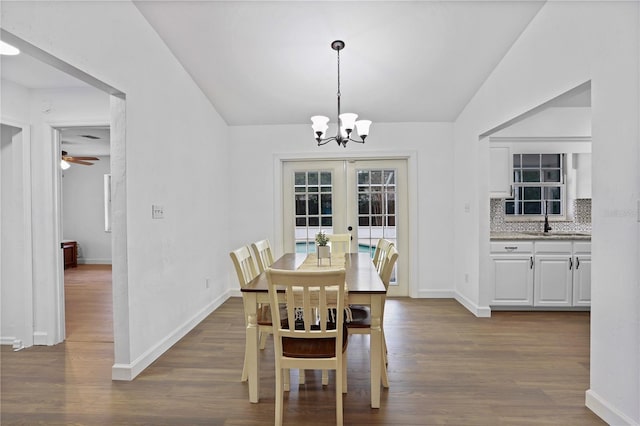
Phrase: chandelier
[346,121]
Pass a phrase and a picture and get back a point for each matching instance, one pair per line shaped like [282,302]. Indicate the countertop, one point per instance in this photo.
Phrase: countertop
[538,235]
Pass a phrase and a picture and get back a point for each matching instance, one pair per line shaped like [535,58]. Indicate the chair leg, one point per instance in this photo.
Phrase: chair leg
[263,340]
[286,379]
[325,377]
[245,374]
[344,372]
[301,377]
[279,395]
[339,414]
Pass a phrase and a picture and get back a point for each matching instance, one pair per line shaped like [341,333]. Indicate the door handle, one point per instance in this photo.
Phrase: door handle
[570,263]
[577,263]
[350,228]
[531,262]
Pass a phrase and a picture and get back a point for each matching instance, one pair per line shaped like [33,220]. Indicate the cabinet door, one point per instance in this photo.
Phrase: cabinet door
[512,278]
[553,280]
[582,280]
[500,169]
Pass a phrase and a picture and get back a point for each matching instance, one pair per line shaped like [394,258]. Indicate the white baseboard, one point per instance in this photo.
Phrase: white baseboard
[606,411]
[40,338]
[90,261]
[15,343]
[130,371]
[479,311]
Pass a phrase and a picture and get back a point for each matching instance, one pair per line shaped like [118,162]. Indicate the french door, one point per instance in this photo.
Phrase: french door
[365,198]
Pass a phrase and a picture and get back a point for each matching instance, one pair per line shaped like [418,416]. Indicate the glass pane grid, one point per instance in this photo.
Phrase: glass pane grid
[538,185]
[313,200]
[376,192]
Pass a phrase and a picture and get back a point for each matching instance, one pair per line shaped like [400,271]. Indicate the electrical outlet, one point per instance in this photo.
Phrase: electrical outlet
[157,211]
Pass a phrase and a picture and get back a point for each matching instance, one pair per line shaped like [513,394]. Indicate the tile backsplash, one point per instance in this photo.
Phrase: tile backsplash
[580,223]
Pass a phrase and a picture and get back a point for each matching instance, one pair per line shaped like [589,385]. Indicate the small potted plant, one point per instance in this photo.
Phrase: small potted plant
[323,250]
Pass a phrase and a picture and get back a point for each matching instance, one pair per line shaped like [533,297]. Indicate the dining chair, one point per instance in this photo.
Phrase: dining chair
[246,271]
[307,337]
[263,254]
[361,315]
[340,243]
[380,252]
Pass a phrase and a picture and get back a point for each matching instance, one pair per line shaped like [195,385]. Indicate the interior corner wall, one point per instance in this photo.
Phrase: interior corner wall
[565,45]
[255,147]
[176,157]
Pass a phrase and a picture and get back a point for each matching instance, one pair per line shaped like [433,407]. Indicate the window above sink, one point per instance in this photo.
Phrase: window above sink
[539,186]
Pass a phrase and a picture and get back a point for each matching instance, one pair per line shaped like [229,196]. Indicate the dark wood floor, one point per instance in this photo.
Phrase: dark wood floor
[446,367]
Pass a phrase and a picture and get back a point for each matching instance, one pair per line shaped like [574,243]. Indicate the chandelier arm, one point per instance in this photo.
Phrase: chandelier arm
[325,140]
[356,140]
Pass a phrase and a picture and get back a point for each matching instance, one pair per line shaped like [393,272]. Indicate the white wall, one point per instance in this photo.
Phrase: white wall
[12,242]
[254,187]
[552,122]
[83,211]
[175,155]
[16,323]
[567,44]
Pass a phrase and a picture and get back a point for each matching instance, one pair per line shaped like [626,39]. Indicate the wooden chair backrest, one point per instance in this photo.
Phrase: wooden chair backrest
[381,248]
[263,254]
[340,243]
[313,293]
[387,265]
[244,264]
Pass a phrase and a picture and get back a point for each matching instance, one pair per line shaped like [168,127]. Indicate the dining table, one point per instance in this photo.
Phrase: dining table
[364,287]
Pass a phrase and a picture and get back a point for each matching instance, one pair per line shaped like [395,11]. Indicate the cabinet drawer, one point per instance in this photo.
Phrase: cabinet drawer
[582,247]
[559,247]
[511,247]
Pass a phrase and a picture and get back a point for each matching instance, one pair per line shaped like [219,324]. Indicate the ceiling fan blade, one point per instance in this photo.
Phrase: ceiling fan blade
[86,158]
[76,161]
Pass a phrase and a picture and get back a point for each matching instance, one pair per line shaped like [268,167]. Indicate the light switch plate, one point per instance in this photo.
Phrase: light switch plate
[157,211]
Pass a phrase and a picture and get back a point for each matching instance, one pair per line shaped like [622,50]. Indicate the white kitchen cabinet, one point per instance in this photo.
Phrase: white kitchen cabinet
[540,274]
[500,170]
[512,273]
[553,276]
[581,274]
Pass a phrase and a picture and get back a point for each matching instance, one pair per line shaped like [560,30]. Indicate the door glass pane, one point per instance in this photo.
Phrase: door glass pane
[313,207]
[377,194]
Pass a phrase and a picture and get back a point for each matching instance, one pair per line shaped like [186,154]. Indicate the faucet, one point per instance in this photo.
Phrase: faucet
[547,228]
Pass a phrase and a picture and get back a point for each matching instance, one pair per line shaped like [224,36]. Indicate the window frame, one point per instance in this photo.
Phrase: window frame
[543,202]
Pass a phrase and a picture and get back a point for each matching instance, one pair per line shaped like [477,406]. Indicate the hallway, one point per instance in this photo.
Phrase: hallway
[88,304]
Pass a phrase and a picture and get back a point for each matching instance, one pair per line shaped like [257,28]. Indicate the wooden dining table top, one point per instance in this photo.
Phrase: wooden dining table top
[360,274]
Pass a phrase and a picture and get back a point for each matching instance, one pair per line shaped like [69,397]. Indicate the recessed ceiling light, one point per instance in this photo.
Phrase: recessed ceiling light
[7,49]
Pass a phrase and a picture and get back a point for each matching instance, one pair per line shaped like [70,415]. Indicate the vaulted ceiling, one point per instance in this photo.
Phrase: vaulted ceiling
[271,62]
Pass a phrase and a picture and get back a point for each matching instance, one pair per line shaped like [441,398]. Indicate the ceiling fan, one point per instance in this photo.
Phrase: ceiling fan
[66,159]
